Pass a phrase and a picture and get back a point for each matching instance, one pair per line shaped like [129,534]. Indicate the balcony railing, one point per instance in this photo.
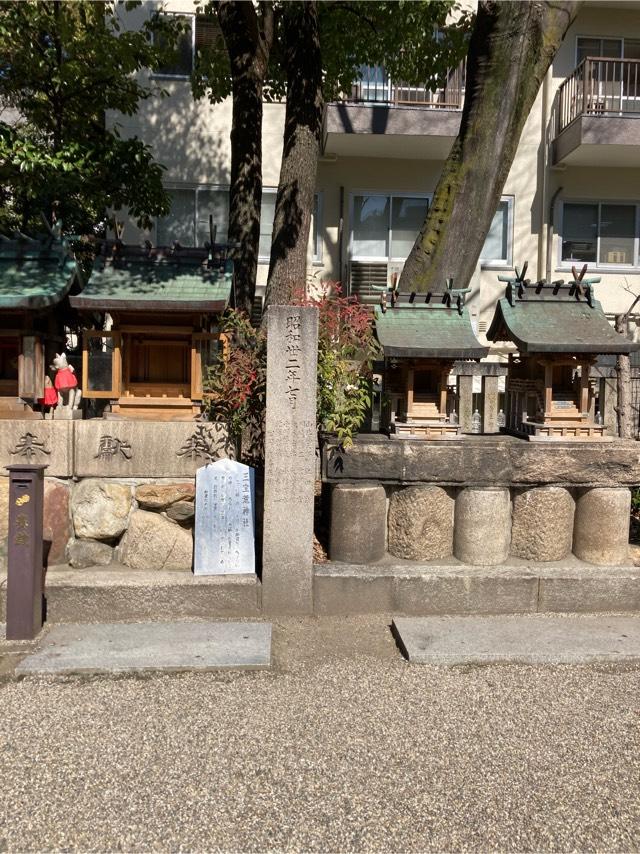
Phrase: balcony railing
[375,87]
[600,87]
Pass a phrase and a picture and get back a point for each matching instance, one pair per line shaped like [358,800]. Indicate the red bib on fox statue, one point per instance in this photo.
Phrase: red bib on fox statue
[65,378]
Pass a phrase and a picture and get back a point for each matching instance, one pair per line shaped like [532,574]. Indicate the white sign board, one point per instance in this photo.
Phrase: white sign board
[225,519]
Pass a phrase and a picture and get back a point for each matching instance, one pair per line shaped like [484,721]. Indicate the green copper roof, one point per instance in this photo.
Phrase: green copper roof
[427,331]
[34,275]
[564,324]
[156,281]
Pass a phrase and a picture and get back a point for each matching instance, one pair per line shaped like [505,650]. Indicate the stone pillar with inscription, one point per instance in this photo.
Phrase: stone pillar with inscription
[290,441]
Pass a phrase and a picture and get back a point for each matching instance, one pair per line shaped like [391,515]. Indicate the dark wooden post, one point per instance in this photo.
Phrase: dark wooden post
[25,570]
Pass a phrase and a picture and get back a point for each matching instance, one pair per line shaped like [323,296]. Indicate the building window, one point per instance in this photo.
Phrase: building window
[188,222]
[200,32]
[384,226]
[601,233]
[498,245]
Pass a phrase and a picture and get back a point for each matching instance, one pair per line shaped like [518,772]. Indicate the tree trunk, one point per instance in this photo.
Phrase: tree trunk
[302,133]
[511,48]
[623,378]
[248,40]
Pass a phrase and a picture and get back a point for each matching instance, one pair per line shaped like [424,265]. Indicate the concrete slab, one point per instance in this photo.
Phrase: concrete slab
[533,639]
[130,647]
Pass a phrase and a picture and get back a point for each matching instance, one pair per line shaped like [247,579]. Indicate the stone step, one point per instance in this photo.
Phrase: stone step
[517,587]
[113,594]
[133,647]
[526,639]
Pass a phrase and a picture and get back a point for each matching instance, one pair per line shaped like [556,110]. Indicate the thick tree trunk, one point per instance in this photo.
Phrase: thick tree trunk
[248,39]
[302,133]
[623,377]
[511,48]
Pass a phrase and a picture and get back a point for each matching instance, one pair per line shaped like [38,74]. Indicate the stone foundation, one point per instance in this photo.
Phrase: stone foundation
[116,492]
[484,501]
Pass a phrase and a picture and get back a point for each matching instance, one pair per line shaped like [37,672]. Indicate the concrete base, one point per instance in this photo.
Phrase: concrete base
[122,594]
[455,588]
[118,648]
[529,640]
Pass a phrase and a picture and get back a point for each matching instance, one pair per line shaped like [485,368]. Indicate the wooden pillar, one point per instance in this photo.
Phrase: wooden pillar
[410,374]
[548,388]
[584,388]
[443,394]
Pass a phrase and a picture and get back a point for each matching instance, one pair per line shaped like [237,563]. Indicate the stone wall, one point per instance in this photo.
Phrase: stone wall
[115,491]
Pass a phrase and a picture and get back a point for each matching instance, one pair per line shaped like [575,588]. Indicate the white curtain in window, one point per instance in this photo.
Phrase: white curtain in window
[407,216]
[370,227]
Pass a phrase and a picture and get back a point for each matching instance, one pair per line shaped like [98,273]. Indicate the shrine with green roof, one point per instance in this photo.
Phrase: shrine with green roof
[422,335]
[36,277]
[155,315]
[559,330]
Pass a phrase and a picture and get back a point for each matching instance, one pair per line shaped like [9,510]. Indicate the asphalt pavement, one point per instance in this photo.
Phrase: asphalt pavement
[341,746]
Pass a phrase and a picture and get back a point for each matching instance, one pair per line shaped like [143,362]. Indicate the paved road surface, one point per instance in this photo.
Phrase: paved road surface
[342,746]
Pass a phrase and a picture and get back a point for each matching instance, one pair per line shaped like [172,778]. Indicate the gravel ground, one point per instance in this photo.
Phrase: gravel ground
[341,747]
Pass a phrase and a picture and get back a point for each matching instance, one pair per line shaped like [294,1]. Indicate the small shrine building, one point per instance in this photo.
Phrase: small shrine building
[154,313]
[36,278]
[422,335]
[559,329]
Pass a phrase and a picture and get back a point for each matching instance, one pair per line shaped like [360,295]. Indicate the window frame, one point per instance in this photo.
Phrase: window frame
[500,264]
[390,194]
[620,39]
[606,267]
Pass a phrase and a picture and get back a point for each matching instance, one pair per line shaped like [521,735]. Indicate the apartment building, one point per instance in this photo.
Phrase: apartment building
[572,196]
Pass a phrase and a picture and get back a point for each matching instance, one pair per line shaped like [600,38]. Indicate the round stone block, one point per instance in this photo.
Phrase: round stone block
[421,523]
[482,530]
[601,527]
[358,523]
[542,526]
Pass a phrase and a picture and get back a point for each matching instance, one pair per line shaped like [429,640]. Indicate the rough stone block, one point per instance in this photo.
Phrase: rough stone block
[358,523]
[56,520]
[421,523]
[159,496]
[601,529]
[154,542]
[542,523]
[482,532]
[100,509]
[84,553]
[182,512]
